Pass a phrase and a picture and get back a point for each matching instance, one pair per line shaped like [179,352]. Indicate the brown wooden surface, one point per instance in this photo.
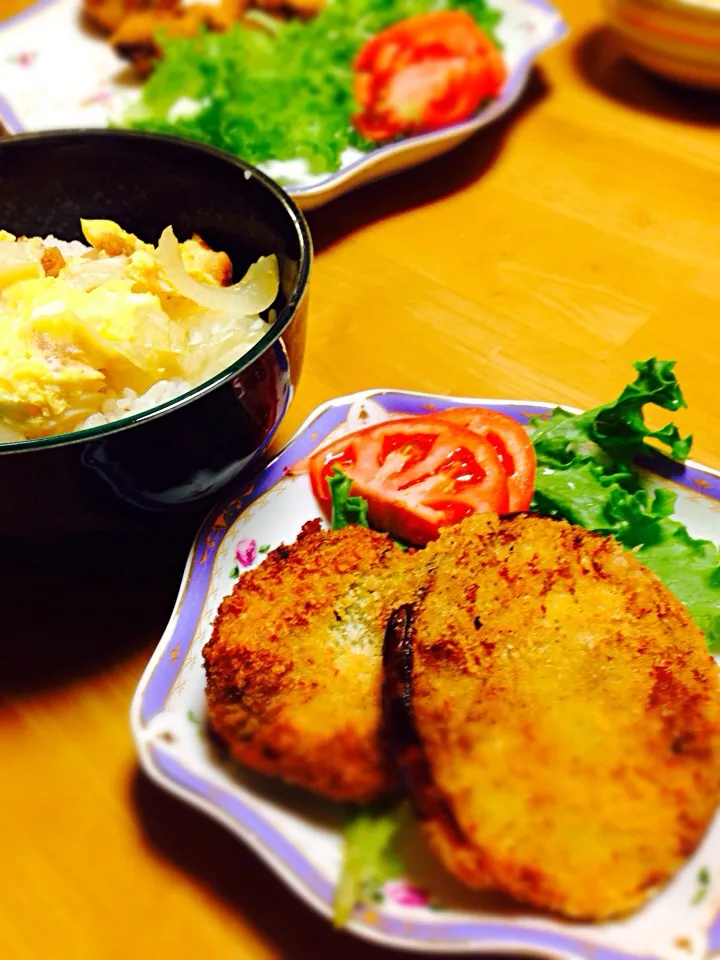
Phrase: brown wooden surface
[9,8]
[537,261]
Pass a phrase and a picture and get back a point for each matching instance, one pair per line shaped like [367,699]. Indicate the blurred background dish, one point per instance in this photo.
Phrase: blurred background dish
[172,460]
[318,154]
[678,39]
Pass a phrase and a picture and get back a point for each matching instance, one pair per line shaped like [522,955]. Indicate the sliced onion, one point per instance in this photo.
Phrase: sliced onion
[18,261]
[255,292]
[8,434]
[88,274]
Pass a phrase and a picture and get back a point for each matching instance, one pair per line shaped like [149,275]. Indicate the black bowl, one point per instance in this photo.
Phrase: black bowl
[170,462]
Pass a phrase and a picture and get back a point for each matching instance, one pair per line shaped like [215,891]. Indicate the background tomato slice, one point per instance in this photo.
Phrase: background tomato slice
[417,474]
[423,73]
[513,446]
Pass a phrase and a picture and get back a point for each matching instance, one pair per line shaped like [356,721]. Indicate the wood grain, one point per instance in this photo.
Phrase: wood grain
[537,261]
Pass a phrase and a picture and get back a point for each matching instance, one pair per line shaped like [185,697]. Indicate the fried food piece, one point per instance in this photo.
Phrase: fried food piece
[135,37]
[566,716]
[298,8]
[109,237]
[52,261]
[201,262]
[134,24]
[107,15]
[294,663]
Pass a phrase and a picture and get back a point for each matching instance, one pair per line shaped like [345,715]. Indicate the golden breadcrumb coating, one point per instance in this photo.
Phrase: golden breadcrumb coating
[569,712]
[294,663]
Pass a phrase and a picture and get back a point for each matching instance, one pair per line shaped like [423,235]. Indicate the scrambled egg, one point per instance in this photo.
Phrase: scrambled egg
[80,325]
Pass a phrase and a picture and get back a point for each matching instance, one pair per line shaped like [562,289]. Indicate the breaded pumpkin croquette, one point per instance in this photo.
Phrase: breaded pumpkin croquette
[294,663]
[568,713]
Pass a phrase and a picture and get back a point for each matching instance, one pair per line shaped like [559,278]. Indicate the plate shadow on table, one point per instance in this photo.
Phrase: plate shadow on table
[601,62]
[233,874]
[425,183]
[72,610]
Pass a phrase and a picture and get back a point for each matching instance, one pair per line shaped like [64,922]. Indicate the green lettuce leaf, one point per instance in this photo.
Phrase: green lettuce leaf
[691,569]
[615,434]
[370,856]
[585,475]
[579,492]
[345,509]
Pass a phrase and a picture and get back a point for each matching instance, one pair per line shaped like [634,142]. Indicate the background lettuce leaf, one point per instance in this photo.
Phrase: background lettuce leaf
[276,95]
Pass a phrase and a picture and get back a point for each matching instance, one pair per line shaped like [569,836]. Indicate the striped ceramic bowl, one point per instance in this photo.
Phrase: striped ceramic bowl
[679,39]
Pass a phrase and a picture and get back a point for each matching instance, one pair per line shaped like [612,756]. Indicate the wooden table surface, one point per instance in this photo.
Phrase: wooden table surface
[537,261]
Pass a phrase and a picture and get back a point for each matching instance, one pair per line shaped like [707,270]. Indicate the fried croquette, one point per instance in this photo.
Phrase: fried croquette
[566,712]
[294,664]
[137,26]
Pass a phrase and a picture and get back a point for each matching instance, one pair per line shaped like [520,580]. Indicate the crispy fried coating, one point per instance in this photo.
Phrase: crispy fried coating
[107,15]
[52,261]
[135,38]
[569,713]
[201,261]
[134,25]
[294,663]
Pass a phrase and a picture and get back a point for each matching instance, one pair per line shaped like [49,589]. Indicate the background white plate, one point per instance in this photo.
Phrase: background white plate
[299,836]
[56,73]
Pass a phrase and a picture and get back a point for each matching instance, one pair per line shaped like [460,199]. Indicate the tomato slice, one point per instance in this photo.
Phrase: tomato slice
[417,474]
[513,446]
[423,73]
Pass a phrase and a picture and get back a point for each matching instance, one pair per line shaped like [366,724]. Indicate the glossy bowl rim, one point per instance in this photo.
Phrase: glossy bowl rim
[284,316]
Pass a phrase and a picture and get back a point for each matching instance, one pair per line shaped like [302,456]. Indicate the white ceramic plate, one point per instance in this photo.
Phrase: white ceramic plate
[299,836]
[55,73]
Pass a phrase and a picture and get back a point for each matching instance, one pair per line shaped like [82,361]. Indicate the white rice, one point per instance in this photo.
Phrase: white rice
[68,248]
[129,402]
